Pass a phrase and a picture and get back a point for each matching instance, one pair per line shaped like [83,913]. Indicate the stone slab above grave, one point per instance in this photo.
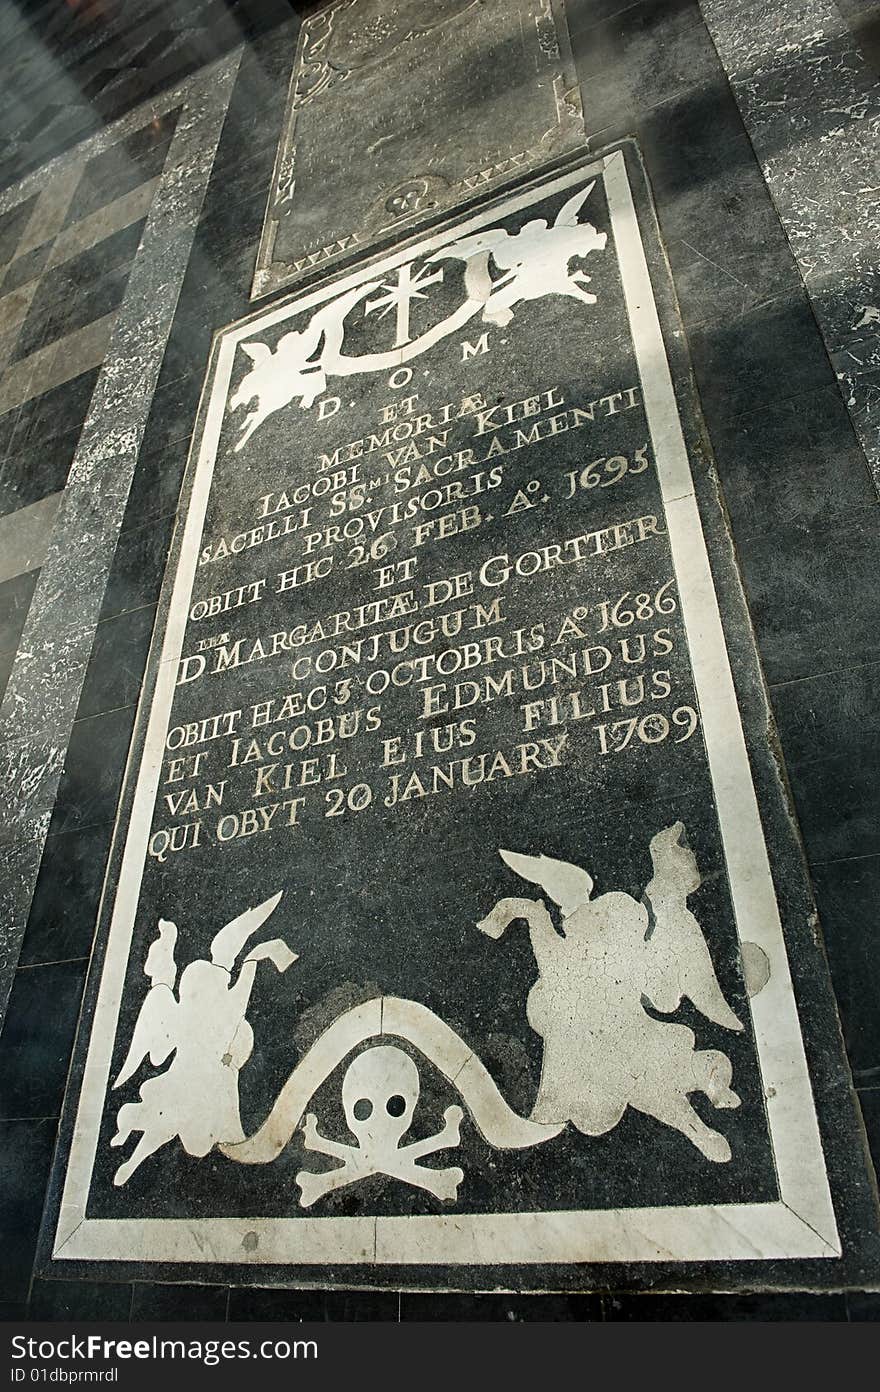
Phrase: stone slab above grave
[456,931]
[398,112]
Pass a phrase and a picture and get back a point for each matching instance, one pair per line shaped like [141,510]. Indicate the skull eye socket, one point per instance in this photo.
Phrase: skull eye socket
[396,1105]
[362,1109]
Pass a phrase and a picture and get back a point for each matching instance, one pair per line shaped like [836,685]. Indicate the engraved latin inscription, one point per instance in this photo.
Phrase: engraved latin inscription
[443,883]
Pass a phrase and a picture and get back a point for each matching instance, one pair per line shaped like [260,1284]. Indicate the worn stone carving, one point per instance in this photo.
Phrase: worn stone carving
[348,36]
[359,155]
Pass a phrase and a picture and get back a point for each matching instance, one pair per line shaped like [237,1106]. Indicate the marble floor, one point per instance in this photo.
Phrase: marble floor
[137,144]
[68,251]
[68,238]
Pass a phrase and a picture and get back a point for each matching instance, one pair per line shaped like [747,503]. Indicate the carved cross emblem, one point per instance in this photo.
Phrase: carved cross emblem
[410,286]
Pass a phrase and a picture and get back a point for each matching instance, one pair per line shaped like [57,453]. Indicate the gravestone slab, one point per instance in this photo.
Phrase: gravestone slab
[441,944]
[400,111]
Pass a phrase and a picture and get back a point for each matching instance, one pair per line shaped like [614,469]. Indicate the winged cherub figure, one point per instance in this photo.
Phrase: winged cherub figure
[614,962]
[535,260]
[296,369]
[204,1026]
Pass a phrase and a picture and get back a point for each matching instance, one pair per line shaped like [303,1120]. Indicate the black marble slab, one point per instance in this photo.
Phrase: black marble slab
[509,499]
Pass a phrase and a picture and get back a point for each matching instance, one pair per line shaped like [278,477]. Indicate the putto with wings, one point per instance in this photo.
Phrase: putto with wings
[536,261]
[502,269]
[616,966]
[205,1027]
[604,983]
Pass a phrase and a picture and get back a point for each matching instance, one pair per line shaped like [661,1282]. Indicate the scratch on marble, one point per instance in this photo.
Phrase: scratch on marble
[723,269]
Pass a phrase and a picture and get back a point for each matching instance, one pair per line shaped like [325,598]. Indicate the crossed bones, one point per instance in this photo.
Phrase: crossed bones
[379,1095]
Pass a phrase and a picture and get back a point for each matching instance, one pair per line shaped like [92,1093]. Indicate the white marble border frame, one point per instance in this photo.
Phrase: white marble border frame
[799,1225]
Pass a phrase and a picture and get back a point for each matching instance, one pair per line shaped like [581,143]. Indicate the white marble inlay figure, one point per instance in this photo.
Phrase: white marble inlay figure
[292,370]
[536,260]
[376,1076]
[379,1095]
[204,1026]
[602,981]
[614,960]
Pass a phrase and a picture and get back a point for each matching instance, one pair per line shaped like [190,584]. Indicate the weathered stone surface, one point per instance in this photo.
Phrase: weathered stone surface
[397,111]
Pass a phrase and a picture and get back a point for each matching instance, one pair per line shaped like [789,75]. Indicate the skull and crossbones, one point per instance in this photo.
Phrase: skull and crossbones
[379,1095]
